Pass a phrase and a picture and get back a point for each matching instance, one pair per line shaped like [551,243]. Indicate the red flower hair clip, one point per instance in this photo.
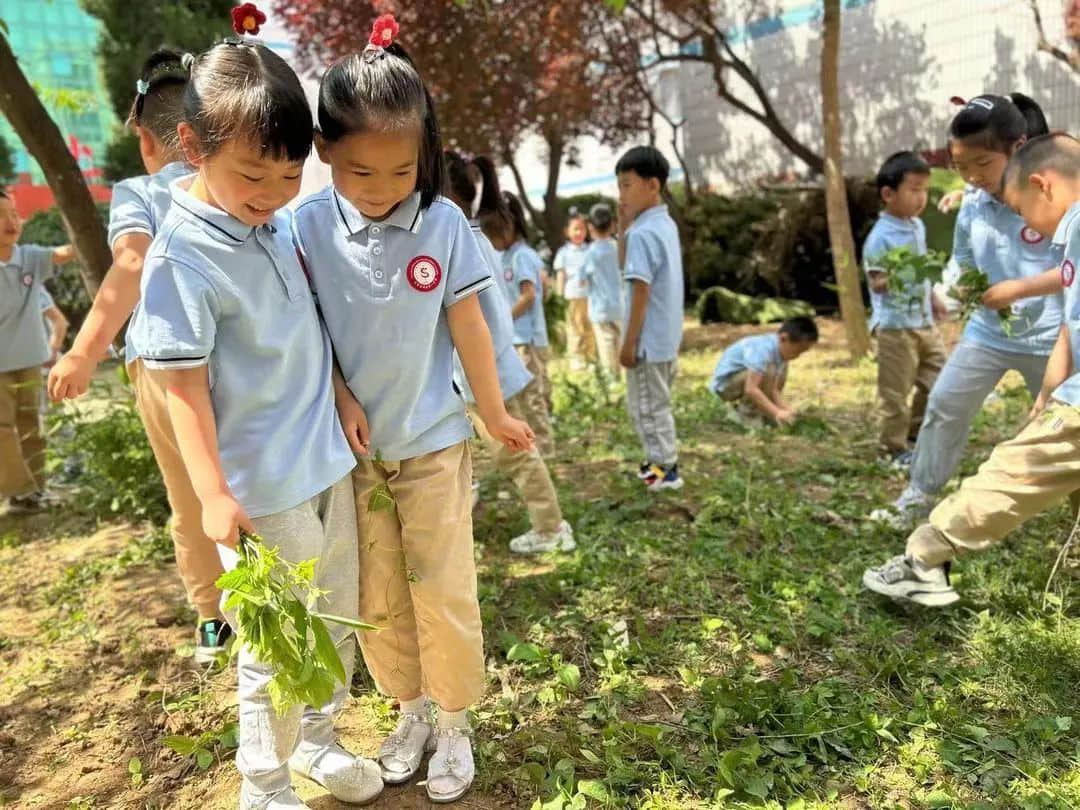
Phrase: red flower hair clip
[959,102]
[384,31]
[247,19]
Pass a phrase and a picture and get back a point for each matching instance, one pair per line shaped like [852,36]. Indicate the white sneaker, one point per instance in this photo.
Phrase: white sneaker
[907,579]
[451,770]
[251,799]
[534,542]
[402,752]
[912,506]
[350,779]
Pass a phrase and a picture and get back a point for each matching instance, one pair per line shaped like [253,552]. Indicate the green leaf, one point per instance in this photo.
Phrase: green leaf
[326,649]
[204,759]
[594,790]
[354,623]
[524,652]
[382,499]
[570,676]
[185,746]
[590,756]
[134,766]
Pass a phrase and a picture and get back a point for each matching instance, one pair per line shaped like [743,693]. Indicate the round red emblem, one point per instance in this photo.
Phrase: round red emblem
[424,273]
[28,280]
[1068,273]
[1031,236]
[508,275]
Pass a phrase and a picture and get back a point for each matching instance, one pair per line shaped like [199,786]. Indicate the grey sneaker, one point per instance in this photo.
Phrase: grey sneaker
[350,779]
[912,506]
[534,542]
[34,502]
[906,579]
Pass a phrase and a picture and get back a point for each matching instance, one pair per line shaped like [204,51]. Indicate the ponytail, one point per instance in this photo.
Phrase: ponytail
[1033,115]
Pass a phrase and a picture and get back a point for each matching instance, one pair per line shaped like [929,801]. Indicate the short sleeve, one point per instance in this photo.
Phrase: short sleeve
[588,267]
[177,321]
[45,300]
[526,270]
[962,254]
[130,210]
[468,271]
[38,261]
[560,259]
[873,248]
[639,261]
[757,358]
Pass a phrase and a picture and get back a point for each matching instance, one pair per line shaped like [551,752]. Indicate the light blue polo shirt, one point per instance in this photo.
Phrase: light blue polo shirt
[911,307]
[47,302]
[605,282]
[139,205]
[384,288]
[220,293]
[992,237]
[570,258]
[520,263]
[653,255]
[24,342]
[760,353]
[1067,237]
[513,376]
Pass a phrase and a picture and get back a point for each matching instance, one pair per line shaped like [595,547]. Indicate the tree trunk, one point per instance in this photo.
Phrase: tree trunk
[836,203]
[36,129]
[553,224]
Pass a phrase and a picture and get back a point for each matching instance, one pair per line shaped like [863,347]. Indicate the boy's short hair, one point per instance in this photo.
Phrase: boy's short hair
[600,217]
[646,162]
[800,329]
[4,194]
[898,166]
[1058,152]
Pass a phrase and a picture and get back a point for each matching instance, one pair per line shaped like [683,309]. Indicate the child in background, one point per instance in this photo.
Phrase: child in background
[651,256]
[910,350]
[994,239]
[398,271]
[604,282]
[1041,466]
[521,281]
[571,284]
[138,208]
[753,370]
[549,532]
[226,300]
[24,349]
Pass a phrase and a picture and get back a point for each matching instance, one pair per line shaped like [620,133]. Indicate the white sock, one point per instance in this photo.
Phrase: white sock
[417,706]
[446,719]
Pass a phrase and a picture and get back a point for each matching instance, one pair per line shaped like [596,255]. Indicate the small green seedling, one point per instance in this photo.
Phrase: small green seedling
[969,290]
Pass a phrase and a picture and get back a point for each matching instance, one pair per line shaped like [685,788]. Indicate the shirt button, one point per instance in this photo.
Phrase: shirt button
[377,251]
[379,274]
[376,229]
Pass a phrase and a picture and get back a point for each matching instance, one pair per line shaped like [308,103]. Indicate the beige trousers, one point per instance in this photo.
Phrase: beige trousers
[608,342]
[536,398]
[22,445]
[527,470]
[581,346]
[906,358]
[1023,477]
[418,577]
[196,554]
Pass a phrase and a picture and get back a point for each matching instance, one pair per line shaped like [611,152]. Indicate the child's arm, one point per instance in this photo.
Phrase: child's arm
[64,254]
[59,327]
[1058,369]
[192,416]
[351,413]
[639,302]
[752,391]
[473,343]
[526,298]
[1005,293]
[113,305]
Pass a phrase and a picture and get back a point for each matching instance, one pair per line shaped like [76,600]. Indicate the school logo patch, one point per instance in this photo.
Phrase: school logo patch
[28,280]
[424,273]
[1031,236]
[1068,273]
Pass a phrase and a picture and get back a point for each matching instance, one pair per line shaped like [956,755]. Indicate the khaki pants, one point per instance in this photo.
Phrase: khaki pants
[906,358]
[536,397]
[1023,477]
[418,578]
[580,344]
[22,445]
[734,390]
[527,470]
[196,554]
[608,342]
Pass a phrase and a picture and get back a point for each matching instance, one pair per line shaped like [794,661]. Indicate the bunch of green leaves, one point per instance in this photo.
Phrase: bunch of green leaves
[906,271]
[969,290]
[274,604]
[204,749]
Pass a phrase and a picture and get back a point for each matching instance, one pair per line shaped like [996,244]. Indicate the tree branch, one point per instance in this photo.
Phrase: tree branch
[1072,60]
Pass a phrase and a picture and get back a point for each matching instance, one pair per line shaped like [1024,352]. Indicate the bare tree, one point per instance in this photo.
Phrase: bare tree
[1072,33]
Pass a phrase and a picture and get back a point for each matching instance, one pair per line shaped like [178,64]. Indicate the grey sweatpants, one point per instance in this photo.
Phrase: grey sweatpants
[648,398]
[323,527]
[969,376]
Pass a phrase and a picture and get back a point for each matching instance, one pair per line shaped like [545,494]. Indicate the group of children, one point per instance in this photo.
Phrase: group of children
[258,352]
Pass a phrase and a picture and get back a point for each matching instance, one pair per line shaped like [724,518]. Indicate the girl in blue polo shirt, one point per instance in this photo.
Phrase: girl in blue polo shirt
[397,271]
[228,324]
[993,238]
[569,267]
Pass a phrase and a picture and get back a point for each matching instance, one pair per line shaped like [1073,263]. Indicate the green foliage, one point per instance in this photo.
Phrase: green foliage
[273,601]
[907,271]
[7,164]
[115,471]
[122,157]
[969,289]
[721,305]
[555,309]
[725,232]
[206,749]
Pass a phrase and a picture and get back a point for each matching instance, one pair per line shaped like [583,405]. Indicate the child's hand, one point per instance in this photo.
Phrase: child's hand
[628,355]
[879,282]
[353,422]
[1002,294]
[785,417]
[70,377]
[1040,405]
[950,200]
[223,518]
[938,308]
[515,434]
